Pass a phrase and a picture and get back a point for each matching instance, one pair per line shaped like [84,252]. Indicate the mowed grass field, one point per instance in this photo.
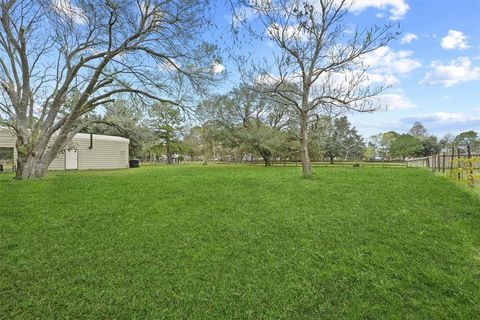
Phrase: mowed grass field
[239,242]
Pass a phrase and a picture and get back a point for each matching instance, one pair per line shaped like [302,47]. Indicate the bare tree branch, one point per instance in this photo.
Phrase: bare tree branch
[58,63]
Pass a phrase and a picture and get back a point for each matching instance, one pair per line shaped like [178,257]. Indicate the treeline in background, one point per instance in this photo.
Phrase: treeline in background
[244,126]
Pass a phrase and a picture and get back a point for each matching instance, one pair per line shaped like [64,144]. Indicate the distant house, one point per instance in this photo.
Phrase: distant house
[84,152]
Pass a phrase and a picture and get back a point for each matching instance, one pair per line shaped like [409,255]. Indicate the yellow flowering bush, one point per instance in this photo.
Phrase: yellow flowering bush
[466,170]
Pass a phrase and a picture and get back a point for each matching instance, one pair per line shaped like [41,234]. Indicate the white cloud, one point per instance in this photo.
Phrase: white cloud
[387,79]
[408,37]
[70,11]
[398,8]
[454,40]
[456,117]
[217,67]
[437,123]
[406,65]
[396,101]
[441,122]
[456,71]
[385,60]
[445,118]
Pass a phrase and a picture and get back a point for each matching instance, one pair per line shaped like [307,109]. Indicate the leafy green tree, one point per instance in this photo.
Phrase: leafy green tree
[338,139]
[263,139]
[382,142]
[369,152]
[351,142]
[430,146]
[192,143]
[166,122]
[216,140]
[405,145]
[468,137]
[249,122]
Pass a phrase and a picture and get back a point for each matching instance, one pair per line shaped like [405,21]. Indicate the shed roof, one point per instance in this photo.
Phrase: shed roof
[101,137]
[87,136]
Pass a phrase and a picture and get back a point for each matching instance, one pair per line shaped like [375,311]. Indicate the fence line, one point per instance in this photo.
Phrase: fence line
[460,163]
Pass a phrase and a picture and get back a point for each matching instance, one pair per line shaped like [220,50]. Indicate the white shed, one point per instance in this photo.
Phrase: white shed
[84,152]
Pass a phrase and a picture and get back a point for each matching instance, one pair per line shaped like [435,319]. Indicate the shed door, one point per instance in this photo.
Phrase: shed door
[71,159]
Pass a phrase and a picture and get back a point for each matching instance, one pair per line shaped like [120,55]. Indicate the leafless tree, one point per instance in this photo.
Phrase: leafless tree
[316,61]
[60,60]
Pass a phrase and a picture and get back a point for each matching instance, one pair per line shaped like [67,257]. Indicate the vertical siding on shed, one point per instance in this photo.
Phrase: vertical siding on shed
[105,154]
[58,163]
[7,140]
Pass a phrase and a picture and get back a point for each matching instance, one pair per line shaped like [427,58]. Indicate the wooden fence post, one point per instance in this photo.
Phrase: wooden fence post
[443,162]
[471,180]
[459,165]
[453,156]
[438,162]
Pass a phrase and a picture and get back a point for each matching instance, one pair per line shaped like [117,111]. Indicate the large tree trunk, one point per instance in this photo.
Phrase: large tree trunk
[306,165]
[267,156]
[34,163]
[169,153]
[331,159]
[30,168]
[267,159]
[33,159]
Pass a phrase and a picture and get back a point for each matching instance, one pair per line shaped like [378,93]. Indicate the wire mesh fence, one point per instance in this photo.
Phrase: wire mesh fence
[459,163]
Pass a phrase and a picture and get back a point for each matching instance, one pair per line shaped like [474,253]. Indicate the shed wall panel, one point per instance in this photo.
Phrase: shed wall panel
[102,155]
[106,152]
[7,140]
[58,163]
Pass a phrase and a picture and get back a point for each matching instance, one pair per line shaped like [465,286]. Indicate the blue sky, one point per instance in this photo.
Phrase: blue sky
[433,67]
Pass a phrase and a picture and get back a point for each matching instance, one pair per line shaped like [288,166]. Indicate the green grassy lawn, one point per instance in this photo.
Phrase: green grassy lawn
[248,242]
